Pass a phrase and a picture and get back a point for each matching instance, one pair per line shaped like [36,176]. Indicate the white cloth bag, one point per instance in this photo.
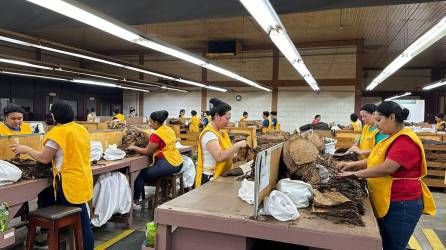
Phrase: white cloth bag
[9,173]
[299,192]
[113,153]
[280,206]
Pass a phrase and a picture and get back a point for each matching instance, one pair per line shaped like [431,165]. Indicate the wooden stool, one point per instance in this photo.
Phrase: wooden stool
[169,186]
[55,218]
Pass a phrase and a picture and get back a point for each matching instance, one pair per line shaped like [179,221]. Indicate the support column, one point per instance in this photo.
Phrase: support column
[359,74]
[141,94]
[275,78]
[204,96]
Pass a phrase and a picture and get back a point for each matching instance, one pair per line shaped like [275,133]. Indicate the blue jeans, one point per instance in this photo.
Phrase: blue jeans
[161,168]
[46,198]
[399,223]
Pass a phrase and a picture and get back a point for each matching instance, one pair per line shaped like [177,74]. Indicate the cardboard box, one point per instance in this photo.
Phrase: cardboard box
[7,238]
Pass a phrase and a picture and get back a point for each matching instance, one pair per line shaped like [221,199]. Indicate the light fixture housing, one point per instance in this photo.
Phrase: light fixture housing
[423,42]
[435,84]
[398,96]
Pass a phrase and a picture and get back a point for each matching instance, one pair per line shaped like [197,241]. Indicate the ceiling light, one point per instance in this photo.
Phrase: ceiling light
[423,42]
[22,63]
[201,85]
[87,74]
[398,96]
[141,90]
[33,75]
[435,85]
[179,90]
[93,82]
[142,83]
[265,15]
[87,16]
[84,14]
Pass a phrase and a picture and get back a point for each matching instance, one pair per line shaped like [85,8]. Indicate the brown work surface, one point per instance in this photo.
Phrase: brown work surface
[215,207]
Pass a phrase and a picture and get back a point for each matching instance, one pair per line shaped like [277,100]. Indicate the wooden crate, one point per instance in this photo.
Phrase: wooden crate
[251,132]
[34,141]
[7,238]
[346,138]
[325,133]
[436,165]
[108,137]
[430,136]
[189,139]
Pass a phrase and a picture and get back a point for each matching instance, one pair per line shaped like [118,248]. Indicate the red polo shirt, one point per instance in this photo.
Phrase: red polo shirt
[157,140]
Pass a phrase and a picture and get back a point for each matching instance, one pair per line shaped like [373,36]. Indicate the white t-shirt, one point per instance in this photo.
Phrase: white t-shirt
[59,153]
[208,160]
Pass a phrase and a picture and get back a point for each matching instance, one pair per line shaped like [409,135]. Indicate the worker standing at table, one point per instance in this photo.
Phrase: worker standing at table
[370,135]
[182,116]
[13,123]
[274,121]
[440,124]
[244,117]
[267,124]
[194,125]
[166,157]
[215,150]
[117,116]
[394,172]
[67,146]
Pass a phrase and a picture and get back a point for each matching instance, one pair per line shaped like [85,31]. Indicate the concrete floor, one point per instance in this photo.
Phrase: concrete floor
[142,216]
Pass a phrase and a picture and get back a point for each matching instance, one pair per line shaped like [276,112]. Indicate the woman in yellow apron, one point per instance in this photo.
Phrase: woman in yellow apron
[182,116]
[440,123]
[244,117]
[166,157]
[194,125]
[13,123]
[369,134]
[267,124]
[274,121]
[394,172]
[215,150]
[67,146]
[117,116]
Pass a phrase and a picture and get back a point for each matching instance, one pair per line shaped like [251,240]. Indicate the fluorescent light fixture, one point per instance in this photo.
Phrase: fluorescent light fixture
[423,42]
[201,85]
[265,15]
[12,40]
[150,73]
[130,88]
[87,16]
[397,96]
[87,74]
[93,82]
[22,63]
[142,83]
[84,14]
[179,90]
[33,75]
[435,85]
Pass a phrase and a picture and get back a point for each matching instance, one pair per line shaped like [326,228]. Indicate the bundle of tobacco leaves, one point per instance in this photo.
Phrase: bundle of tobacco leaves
[32,169]
[175,121]
[115,125]
[341,154]
[133,137]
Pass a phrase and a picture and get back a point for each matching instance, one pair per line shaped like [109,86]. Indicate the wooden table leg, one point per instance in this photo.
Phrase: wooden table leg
[164,237]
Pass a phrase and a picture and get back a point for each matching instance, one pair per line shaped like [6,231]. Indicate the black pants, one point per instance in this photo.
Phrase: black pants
[46,199]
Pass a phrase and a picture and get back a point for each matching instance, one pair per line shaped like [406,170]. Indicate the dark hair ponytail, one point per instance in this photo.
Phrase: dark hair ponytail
[218,107]
[369,108]
[159,116]
[388,107]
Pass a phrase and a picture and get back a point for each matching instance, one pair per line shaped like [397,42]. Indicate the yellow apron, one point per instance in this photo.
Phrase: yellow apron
[270,126]
[220,167]
[367,139]
[194,125]
[120,117]
[170,151]
[356,126]
[439,124]
[77,178]
[24,129]
[380,188]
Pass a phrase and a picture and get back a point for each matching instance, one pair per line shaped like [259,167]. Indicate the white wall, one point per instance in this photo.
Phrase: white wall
[297,106]
[130,99]
[172,101]
[253,102]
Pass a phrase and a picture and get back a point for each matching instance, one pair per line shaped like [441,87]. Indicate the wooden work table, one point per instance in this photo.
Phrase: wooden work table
[19,193]
[213,217]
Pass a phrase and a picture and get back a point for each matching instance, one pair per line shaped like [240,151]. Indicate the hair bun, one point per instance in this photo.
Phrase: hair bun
[164,114]
[214,101]
[405,113]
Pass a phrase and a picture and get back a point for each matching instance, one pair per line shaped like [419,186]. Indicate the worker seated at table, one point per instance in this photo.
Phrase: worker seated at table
[356,124]
[267,124]
[316,120]
[274,121]
[182,116]
[370,135]
[165,157]
[67,146]
[117,116]
[13,123]
[244,117]
[394,172]
[194,124]
[206,118]
[215,150]
[91,116]
[440,123]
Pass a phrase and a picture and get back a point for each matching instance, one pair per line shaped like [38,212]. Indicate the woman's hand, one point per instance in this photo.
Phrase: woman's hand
[20,149]
[241,144]
[344,166]
[132,147]
[346,174]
